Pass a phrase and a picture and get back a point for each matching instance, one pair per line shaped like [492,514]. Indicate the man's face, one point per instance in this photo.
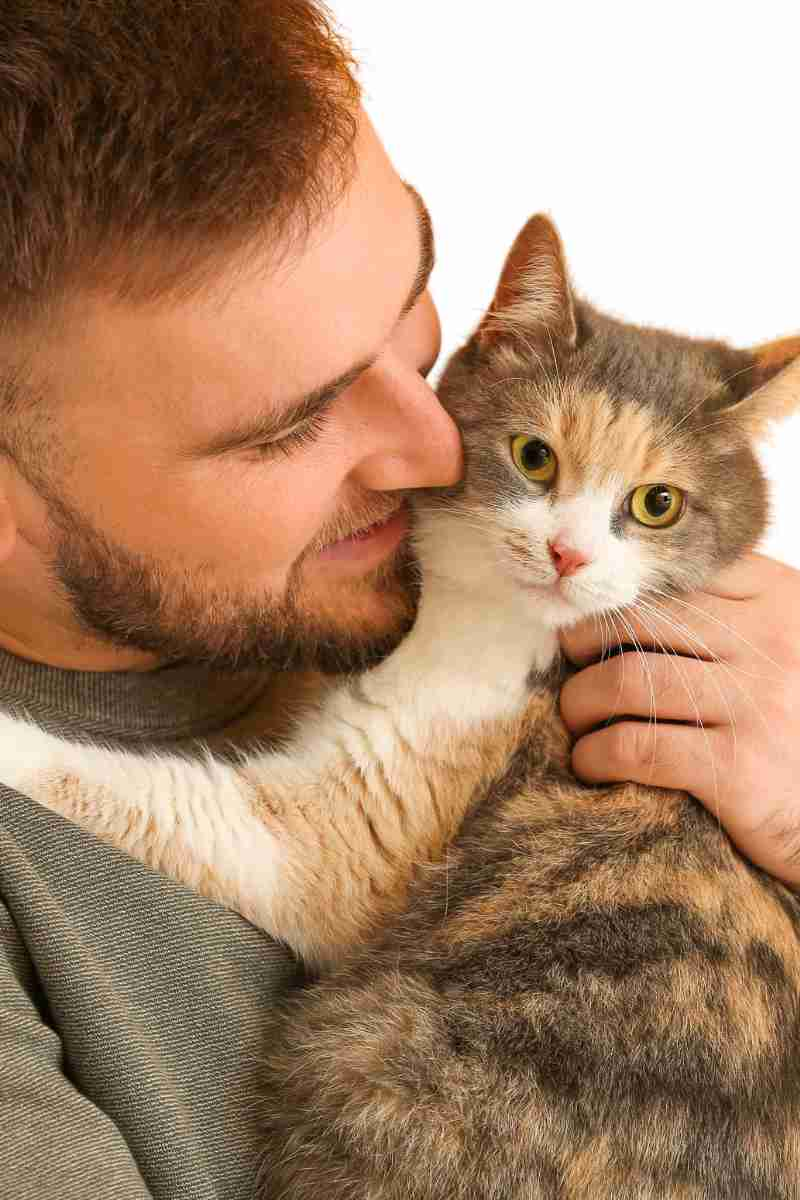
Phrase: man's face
[220,452]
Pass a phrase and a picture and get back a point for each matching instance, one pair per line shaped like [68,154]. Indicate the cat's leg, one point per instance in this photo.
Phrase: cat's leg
[193,819]
[316,843]
[313,844]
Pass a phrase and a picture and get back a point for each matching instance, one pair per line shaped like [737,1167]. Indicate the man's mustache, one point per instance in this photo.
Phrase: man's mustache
[357,520]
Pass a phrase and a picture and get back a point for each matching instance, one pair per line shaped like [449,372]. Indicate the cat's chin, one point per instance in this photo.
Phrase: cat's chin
[552,609]
[556,608]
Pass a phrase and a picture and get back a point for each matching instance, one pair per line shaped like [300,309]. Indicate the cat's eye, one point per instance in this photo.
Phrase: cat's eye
[656,505]
[533,458]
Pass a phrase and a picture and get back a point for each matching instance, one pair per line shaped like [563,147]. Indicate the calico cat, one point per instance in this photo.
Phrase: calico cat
[527,988]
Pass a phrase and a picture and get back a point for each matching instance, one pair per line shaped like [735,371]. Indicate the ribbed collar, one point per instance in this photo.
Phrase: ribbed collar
[164,705]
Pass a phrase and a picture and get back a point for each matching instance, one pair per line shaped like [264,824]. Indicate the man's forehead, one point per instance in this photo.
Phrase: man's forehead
[257,340]
[282,408]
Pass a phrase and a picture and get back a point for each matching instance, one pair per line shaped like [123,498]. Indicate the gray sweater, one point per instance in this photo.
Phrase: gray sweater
[132,1010]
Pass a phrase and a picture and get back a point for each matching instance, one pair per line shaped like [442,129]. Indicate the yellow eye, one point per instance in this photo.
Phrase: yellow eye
[656,505]
[533,458]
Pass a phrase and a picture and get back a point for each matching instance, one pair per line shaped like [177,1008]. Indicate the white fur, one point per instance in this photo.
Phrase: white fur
[467,661]
[201,807]
[613,574]
[476,639]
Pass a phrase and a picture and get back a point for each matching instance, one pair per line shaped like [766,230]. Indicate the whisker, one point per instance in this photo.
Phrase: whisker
[653,719]
[684,632]
[687,635]
[555,364]
[615,710]
[602,620]
[490,387]
[674,658]
[723,625]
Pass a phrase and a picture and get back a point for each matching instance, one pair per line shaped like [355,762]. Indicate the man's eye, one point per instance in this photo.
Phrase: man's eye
[303,435]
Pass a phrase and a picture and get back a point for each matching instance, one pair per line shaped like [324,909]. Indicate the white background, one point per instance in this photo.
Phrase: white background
[662,138]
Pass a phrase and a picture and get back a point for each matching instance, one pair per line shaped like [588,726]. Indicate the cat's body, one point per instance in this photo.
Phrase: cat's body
[589,993]
[592,998]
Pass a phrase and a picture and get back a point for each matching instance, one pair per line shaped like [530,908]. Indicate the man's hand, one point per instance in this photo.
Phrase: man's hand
[732,684]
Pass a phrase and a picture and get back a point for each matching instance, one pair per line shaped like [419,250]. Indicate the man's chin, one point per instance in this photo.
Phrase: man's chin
[338,631]
[269,642]
[120,599]
[379,616]
[344,656]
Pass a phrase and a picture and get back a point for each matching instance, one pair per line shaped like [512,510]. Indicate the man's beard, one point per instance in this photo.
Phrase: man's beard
[132,601]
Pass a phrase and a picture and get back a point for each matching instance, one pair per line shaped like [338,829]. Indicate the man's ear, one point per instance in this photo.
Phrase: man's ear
[533,304]
[769,389]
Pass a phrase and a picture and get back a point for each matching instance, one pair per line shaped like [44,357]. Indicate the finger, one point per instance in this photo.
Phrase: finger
[689,760]
[714,622]
[585,642]
[773,842]
[643,685]
[749,576]
[669,756]
[697,626]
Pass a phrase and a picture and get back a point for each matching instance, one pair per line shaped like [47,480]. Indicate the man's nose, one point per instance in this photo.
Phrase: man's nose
[567,560]
[411,441]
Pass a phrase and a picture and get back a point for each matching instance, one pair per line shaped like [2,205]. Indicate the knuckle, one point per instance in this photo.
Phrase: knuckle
[656,681]
[626,674]
[782,829]
[667,680]
[631,743]
[644,744]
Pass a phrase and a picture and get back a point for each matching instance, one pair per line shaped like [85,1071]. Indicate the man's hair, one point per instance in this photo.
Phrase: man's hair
[140,139]
[143,142]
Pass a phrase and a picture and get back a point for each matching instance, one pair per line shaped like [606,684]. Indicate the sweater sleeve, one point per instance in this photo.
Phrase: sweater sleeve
[55,1144]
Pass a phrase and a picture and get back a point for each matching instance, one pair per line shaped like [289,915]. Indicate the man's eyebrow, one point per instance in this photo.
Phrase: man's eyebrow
[267,426]
[427,255]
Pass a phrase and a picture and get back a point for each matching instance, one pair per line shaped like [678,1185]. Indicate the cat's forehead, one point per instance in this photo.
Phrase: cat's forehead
[629,404]
[603,441]
[600,441]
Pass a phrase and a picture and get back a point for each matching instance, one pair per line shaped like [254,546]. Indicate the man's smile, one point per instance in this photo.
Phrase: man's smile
[371,543]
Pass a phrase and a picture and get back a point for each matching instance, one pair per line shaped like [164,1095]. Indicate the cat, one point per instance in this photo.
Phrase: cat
[520,986]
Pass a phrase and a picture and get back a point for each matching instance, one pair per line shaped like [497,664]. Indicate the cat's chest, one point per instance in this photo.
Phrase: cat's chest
[536,746]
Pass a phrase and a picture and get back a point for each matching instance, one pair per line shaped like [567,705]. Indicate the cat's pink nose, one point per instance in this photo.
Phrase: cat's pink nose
[566,559]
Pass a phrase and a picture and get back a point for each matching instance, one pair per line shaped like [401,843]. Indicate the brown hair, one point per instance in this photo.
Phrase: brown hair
[142,140]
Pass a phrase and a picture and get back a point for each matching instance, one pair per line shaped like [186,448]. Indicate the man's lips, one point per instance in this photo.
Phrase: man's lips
[368,530]
[373,541]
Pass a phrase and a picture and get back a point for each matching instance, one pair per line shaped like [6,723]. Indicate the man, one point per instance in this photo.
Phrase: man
[212,360]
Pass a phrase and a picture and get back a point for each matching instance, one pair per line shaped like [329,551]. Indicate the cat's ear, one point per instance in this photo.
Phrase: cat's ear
[768,389]
[533,303]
